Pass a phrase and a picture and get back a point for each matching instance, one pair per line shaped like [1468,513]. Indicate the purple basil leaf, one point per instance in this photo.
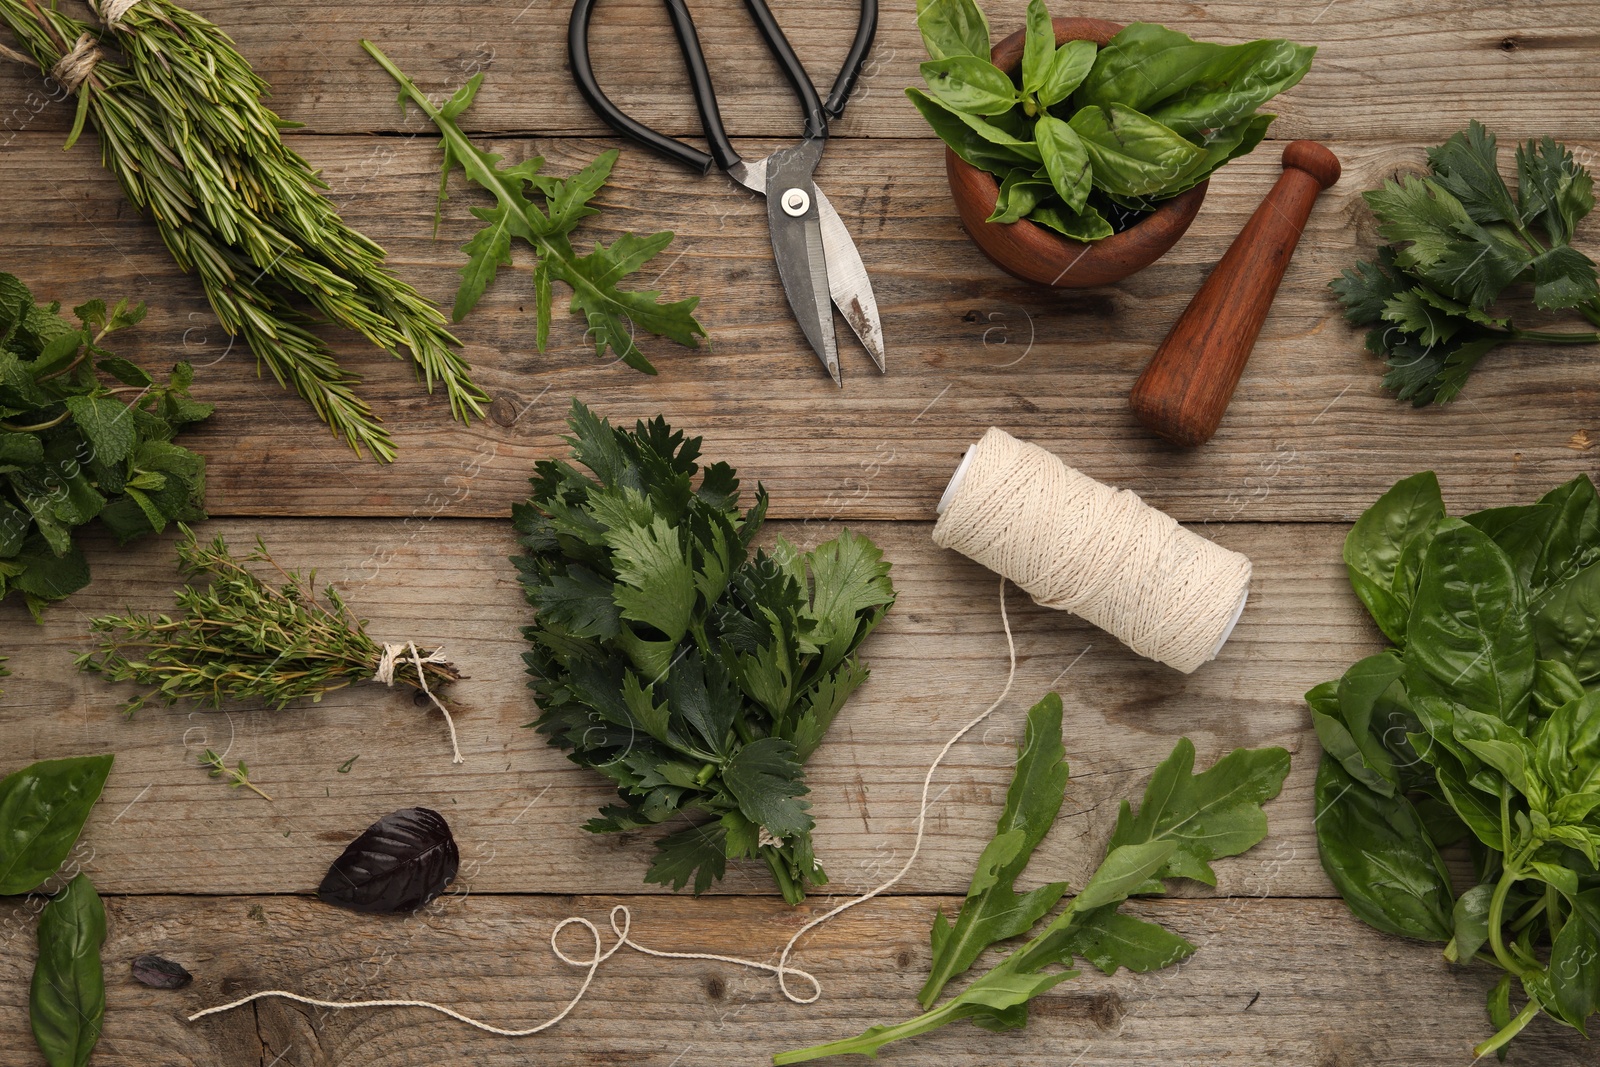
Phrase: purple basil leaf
[158,973]
[399,863]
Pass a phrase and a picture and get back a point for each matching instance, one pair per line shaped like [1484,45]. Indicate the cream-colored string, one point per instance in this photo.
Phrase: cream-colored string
[111,12]
[600,955]
[1101,553]
[385,674]
[74,68]
[781,969]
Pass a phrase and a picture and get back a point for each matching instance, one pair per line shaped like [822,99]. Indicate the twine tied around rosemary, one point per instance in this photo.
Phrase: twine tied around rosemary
[385,674]
[72,69]
[111,12]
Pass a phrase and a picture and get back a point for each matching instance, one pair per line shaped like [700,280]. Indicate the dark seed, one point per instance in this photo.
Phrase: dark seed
[158,973]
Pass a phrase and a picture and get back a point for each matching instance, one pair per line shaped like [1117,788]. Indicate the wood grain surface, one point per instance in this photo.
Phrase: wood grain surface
[221,880]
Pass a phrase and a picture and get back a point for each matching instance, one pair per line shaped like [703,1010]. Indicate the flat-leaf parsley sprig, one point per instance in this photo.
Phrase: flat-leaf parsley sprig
[1460,240]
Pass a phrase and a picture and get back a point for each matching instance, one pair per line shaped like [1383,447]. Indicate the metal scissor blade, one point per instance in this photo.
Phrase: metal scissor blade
[798,248]
[848,283]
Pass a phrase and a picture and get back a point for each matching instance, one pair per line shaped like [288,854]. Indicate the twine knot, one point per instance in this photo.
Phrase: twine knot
[385,673]
[111,12]
[74,68]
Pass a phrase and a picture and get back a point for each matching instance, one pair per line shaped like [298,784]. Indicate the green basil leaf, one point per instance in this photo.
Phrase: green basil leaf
[983,144]
[1468,637]
[1566,747]
[1020,193]
[1038,48]
[1575,963]
[1502,747]
[68,999]
[1469,921]
[1224,145]
[1144,65]
[1133,155]
[970,84]
[953,28]
[1085,225]
[1567,624]
[1521,532]
[1068,67]
[42,810]
[1380,858]
[1573,542]
[1342,715]
[1408,512]
[1065,160]
[1233,84]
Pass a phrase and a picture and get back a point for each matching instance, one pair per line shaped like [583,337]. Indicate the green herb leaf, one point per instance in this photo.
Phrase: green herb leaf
[1553,191]
[970,84]
[953,28]
[980,143]
[1232,84]
[1038,48]
[1468,166]
[1110,939]
[612,313]
[993,910]
[1066,160]
[1069,65]
[764,776]
[1378,856]
[1396,529]
[68,999]
[1020,193]
[42,810]
[1085,225]
[1133,155]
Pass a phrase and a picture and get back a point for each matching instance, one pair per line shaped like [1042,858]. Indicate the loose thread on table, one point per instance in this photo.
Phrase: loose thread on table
[385,674]
[781,970]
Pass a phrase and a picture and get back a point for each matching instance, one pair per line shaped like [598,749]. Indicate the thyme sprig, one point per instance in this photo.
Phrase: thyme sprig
[237,776]
[240,638]
[183,127]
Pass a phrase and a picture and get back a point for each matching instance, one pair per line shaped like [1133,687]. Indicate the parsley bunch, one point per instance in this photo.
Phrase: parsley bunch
[1432,298]
[73,449]
[695,675]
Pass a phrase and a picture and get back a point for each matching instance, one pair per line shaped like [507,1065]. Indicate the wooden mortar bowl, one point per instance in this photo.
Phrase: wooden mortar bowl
[1036,254]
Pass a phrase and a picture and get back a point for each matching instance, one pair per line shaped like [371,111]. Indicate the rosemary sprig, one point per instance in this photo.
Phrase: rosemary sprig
[183,127]
[240,638]
[237,776]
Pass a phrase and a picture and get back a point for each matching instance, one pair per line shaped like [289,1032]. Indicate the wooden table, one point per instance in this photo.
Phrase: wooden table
[221,880]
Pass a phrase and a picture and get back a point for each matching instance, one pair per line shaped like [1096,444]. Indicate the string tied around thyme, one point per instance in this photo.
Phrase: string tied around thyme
[385,674]
[622,918]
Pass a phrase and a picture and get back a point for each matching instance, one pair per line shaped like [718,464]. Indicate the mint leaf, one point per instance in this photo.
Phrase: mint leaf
[613,314]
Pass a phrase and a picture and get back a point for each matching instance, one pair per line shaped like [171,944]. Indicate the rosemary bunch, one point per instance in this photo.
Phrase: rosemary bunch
[241,638]
[183,127]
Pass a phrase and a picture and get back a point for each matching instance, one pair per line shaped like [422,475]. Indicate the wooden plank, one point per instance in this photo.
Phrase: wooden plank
[1274,981]
[1310,435]
[1415,69]
[938,660]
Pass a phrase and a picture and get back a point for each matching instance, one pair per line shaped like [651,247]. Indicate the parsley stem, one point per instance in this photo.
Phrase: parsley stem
[1552,337]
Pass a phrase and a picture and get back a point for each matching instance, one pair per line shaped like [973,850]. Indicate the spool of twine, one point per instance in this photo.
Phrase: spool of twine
[1078,545]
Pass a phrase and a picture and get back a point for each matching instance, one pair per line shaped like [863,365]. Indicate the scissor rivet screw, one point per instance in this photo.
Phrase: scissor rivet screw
[796,202]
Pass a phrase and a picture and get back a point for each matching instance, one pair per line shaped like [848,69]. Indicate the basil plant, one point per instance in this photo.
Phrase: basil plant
[1089,139]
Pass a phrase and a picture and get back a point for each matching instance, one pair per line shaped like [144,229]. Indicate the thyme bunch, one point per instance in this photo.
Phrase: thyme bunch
[239,638]
[183,127]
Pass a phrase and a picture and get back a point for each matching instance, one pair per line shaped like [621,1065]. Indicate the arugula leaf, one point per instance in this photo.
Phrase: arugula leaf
[695,674]
[993,910]
[612,313]
[1090,925]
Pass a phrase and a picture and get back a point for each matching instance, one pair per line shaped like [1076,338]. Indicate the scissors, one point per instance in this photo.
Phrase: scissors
[817,260]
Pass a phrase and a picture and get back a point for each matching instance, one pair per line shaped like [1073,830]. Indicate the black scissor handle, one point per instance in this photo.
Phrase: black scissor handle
[722,153]
[866,30]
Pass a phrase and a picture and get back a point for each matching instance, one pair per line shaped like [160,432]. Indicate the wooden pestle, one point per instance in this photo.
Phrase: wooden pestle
[1184,391]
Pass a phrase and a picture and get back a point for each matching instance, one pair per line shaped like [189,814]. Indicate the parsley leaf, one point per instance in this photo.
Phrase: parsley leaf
[1460,240]
[612,314]
[695,674]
